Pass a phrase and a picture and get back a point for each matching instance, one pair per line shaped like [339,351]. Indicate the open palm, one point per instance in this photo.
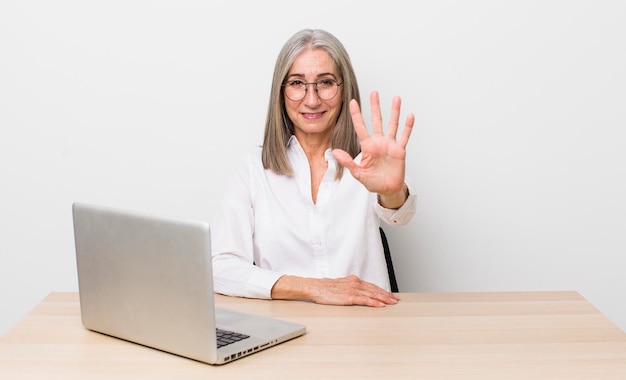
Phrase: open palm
[382,166]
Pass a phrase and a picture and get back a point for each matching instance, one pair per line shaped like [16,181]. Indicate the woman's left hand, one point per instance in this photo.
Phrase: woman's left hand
[382,166]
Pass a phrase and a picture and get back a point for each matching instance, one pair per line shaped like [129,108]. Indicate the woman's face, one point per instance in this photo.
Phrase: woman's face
[312,116]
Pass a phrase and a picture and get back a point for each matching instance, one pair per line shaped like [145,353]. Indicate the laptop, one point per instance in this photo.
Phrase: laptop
[147,279]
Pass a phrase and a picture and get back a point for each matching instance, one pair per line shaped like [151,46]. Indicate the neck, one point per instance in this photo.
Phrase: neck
[314,146]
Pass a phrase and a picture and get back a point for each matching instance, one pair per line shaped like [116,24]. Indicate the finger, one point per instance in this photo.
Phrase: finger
[344,159]
[406,132]
[357,120]
[385,296]
[377,118]
[373,291]
[367,301]
[355,291]
[394,117]
[375,300]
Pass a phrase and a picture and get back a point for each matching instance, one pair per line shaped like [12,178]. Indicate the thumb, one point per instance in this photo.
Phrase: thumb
[344,159]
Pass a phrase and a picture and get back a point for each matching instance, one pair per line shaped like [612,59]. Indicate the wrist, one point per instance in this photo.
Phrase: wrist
[291,288]
[396,200]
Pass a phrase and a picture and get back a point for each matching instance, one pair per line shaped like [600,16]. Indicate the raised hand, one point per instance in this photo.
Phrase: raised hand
[382,166]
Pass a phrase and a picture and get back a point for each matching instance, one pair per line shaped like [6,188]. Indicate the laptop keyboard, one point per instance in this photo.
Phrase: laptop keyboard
[225,337]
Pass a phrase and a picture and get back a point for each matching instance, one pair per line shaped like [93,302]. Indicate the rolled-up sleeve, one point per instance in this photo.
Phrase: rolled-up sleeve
[401,216]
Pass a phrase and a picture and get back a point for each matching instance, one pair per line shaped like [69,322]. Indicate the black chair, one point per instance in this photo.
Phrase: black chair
[390,271]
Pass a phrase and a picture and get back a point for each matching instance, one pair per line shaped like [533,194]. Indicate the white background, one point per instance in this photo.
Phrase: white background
[518,155]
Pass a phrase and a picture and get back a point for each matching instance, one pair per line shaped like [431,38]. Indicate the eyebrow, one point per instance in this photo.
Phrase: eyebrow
[321,75]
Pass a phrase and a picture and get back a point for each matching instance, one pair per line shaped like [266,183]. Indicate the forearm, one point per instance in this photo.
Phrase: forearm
[235,276]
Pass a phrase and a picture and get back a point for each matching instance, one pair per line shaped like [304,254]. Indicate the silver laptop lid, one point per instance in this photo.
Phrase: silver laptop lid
[145,279]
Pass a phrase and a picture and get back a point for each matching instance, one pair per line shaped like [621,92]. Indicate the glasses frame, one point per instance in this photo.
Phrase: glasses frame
[306,88]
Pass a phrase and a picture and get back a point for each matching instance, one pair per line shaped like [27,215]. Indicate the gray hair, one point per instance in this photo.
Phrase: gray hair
[278,126]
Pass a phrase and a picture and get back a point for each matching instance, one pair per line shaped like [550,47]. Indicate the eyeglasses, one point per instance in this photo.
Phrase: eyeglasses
[326,89]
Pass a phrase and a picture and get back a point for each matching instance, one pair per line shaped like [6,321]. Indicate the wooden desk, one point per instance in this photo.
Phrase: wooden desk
[529,335]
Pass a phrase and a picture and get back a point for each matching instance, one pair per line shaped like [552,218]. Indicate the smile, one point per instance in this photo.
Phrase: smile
[315,115]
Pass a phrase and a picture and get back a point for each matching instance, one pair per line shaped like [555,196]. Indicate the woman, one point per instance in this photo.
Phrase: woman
[292,224]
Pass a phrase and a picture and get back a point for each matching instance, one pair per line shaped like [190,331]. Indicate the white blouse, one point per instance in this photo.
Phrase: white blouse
[267,226]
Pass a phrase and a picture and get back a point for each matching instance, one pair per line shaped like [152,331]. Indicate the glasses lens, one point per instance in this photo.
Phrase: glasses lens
[327,89]
[295,90]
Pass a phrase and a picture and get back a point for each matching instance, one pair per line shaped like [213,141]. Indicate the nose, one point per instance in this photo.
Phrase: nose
[311,97]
